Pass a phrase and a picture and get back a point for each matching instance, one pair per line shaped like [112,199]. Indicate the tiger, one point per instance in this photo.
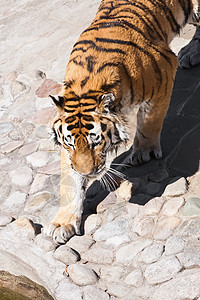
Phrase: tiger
[121,61]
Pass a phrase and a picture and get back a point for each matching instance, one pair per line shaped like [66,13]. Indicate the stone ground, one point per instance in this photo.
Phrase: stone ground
[143,247]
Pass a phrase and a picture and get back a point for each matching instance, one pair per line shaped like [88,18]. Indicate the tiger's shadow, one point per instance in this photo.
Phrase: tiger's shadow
[180,142]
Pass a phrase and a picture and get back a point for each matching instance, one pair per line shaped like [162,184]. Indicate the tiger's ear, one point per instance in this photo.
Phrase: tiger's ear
[107,101]
[58,100]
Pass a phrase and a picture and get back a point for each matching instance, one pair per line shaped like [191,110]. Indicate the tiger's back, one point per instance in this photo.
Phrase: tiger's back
[132,34]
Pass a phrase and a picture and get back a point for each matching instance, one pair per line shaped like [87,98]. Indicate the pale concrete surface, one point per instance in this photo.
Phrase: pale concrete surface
[140,249]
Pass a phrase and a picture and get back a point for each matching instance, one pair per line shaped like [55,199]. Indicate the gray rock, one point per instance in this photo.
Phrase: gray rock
[38,201]
[174,244]
[185,286]
[140,293]
[162,270]
[66,255]
[16,134]
[40,182]
[124,191]
[118,290]
[153,207]
[152,253]
[176,188]
[111,229]
[126,254]
[143,225]
[172,206]
[15,202]
[27,149]
[191,207]
[190,227]
[5,190]
[38,159]
[132,209]
[191,254]
[98,254]
[135,278]
[82,275]
[117,210]
[4,162]
[80,243]
[5,128]
[89,292]
[112,273]
[42,132]
[27,128]
[92,223]
[116,241]
[22,176]
[5,220]
[17,88]
[11,146]
[45,243]
[107,202]
[23,227]
[165,227]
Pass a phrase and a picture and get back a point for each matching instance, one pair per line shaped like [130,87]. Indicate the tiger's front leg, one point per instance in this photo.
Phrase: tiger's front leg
[72,193]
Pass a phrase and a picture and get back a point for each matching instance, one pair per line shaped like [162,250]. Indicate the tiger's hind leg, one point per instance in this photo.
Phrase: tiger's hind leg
[150,119]
[189,55]
[147,138]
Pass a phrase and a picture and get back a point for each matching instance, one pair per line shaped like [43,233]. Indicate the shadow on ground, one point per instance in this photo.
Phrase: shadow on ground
[180,142]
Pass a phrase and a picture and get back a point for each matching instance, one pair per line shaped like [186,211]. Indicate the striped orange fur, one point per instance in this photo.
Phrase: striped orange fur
[121,60]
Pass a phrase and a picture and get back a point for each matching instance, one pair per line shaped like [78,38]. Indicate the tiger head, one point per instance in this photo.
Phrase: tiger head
[88,128]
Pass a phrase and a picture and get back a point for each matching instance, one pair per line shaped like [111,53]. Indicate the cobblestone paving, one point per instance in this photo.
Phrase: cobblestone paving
[143,247]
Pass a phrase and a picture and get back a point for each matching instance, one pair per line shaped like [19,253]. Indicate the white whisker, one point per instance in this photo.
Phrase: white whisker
[113,182]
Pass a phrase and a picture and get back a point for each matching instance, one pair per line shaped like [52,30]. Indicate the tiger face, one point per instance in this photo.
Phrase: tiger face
[88,134]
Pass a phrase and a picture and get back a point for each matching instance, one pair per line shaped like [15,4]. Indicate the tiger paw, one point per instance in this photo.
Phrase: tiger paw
[60,233]
[141,156]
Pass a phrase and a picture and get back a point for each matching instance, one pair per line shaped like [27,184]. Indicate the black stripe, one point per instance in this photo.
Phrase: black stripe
[70,127]
[70,119]
[72,105]
[107,65]
[87,126]
[90,63]
[57,121]
[78,63]
[89,109]
[121,42]
[87,104]
[84,81]
[168,13]
[108,87]
[60,128]
[68,84]
[162,54]
[131,85]
[88,97]
[88,118]
[185,9]
[72,99]
[103,127]
[142,134]
[69,110]
[85,42]
[104,25]
[143,7]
